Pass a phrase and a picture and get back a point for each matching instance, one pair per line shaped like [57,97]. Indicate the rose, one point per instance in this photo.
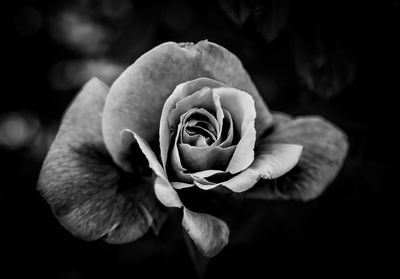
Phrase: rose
[194,113]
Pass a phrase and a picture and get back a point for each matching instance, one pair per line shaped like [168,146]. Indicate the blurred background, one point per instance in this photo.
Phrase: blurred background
[333,58]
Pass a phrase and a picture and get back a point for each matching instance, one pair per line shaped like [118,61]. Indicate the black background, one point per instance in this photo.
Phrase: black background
[350,229]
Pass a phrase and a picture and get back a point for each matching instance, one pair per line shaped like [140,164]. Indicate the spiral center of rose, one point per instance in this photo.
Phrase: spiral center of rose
[200,128]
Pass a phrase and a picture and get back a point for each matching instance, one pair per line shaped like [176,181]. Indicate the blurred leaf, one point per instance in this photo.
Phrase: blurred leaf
[80,32]
[271,17]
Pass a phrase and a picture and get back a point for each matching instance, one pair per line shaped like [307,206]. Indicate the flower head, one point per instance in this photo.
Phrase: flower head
[191,113]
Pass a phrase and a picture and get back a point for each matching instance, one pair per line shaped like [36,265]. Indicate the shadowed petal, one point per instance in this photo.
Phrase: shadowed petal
[204,158]
[137,97]
[163,189]
[216,201]
[91,197]
[209,233]
[324,150]
[202,121]
[272,161]
[129,137]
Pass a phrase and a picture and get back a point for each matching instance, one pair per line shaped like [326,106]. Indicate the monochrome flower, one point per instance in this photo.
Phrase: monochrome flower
[194,113]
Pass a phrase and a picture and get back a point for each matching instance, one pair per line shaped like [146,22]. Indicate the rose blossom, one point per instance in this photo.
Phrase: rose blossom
[196,116]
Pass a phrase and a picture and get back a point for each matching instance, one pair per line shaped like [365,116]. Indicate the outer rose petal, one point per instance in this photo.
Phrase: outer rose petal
[81,183]
[209,233]
[137,97]
[325,148]
[272,161]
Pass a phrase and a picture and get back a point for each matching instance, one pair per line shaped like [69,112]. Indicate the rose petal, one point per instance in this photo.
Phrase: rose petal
[199,182]
[82,185]
[203,158]
[200,179]
[244,152]
[226,140]
[272,161]
[163,189]
[207,173]
[324,150]
[166,194]
[241,106]
[280,119]
[180,172]
[204,99]
[198,133]
[181,185]
[208,233]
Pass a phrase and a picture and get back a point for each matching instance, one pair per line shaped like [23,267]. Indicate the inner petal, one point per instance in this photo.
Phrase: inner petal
[240,104]
[226,137]
[205,158]
[186,174]
[193,128]
[178,171]
[203,102]
[200,128]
